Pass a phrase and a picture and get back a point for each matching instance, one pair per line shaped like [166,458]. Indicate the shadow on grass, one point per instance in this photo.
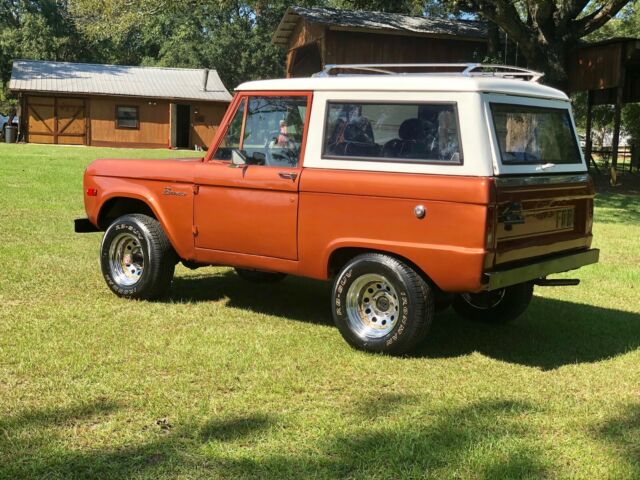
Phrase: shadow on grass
[33,445]
[295,298]
[623,432]
[485,439]
[550,334]
[617,208]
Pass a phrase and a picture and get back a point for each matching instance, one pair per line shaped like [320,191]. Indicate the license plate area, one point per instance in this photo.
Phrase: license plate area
[539,221]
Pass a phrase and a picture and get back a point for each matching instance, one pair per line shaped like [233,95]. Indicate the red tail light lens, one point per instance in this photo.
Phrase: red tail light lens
[92,192]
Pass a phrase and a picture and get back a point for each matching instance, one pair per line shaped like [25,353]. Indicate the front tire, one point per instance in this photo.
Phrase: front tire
[136,257]
[497,307]
[380,304]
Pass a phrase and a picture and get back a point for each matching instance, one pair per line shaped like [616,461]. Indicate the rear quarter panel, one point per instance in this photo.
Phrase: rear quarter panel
[375,210]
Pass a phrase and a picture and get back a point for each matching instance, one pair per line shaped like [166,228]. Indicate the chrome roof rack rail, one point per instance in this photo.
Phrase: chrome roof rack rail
[464,69]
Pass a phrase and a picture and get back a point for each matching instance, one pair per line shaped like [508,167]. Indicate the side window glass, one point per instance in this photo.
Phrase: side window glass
[274,131]
[393,132]
[231,139]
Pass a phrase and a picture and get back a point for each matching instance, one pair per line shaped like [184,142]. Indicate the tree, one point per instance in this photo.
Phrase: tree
[36,30]
[546,30]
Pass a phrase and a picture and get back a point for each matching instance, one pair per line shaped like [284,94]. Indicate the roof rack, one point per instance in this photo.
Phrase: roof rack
[465,69]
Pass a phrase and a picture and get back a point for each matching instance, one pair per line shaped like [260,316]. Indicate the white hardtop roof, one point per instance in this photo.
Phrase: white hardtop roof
[411,82]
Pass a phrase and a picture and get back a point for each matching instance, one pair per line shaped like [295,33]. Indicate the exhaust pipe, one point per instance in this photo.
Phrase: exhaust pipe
[560,282]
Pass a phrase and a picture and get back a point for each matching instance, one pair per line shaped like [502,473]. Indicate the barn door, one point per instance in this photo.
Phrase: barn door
[41,119]
[56,120]
[72,127]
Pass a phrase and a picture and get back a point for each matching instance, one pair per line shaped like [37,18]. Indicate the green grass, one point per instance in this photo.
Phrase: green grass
[230,380]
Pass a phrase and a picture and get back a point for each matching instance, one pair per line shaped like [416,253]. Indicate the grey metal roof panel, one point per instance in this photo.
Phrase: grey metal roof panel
[117,80]
[466,29]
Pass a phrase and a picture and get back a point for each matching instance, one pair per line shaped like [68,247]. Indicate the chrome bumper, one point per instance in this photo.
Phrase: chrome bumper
[556,264]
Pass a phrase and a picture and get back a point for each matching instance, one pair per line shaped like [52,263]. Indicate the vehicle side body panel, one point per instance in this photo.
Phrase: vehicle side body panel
[166,187]
[375,210]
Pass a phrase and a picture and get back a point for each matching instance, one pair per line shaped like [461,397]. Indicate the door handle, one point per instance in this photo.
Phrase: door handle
[288,175]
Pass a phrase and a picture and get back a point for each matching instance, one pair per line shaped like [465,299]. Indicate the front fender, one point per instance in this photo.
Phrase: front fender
[170,202]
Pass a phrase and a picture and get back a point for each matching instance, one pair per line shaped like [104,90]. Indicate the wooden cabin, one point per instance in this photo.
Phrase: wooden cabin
[315,37]
[118,106]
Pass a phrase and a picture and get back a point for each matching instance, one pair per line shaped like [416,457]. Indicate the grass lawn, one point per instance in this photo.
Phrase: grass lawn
[230,380]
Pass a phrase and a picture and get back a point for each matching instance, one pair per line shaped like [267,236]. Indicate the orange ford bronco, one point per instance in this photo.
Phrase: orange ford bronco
[409,190]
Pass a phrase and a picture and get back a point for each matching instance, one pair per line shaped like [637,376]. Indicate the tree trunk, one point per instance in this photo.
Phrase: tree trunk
[550,59]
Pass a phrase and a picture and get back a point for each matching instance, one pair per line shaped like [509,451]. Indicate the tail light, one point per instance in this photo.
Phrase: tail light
[92,192]
[490,228]
[589,221]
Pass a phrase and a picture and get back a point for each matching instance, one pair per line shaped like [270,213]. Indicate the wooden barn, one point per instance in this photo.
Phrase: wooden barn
[118,106]
[314,37]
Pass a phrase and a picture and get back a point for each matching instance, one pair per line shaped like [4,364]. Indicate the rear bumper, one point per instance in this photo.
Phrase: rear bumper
[83,225]
[532,271]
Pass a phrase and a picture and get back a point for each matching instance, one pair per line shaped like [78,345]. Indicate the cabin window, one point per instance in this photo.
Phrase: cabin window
[266,130]
[231,139]
[534,135]
[393,132]
[127,117]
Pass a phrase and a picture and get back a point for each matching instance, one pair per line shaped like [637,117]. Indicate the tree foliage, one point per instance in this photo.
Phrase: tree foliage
[37,29]
[546,30]
[234,36]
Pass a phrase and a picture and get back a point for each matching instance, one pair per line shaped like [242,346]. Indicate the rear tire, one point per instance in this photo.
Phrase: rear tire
[380,304]
[136,257]
[257,276]
[497,307]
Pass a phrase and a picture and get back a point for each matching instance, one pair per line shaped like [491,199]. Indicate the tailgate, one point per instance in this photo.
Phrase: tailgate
[535,216]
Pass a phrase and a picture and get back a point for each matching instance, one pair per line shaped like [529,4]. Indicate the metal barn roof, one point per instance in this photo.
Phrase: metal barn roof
[360,20]
[95,79]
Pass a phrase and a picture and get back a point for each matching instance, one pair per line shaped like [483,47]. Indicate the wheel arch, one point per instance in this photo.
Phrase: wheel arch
[123,204]
[119,205]
[340,256]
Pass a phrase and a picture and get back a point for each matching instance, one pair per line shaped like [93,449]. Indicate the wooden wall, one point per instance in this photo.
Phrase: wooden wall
[153,131]
[343,46]
[205,120]
[600,68]
[361,47]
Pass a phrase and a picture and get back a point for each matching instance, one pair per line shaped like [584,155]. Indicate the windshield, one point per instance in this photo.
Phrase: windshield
[534,135]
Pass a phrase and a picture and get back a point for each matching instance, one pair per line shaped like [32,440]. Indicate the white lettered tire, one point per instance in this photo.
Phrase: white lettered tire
[380,304]
[136,257]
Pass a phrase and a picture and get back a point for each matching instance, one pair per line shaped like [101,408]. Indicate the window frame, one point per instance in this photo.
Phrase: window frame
[523,107]
[391,160]
[137,109]
[246,96]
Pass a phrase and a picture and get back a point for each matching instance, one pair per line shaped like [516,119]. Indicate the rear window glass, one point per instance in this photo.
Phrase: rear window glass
[534,135]
[400,132]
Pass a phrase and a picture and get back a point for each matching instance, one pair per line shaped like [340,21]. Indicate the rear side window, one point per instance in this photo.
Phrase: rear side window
[534,135]
[392,132]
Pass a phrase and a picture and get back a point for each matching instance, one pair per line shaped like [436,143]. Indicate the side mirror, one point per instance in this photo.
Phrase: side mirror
[237,159]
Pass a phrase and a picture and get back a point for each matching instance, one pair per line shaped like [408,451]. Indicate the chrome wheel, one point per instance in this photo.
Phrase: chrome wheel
[372,306]
[126,259]
[484,300]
